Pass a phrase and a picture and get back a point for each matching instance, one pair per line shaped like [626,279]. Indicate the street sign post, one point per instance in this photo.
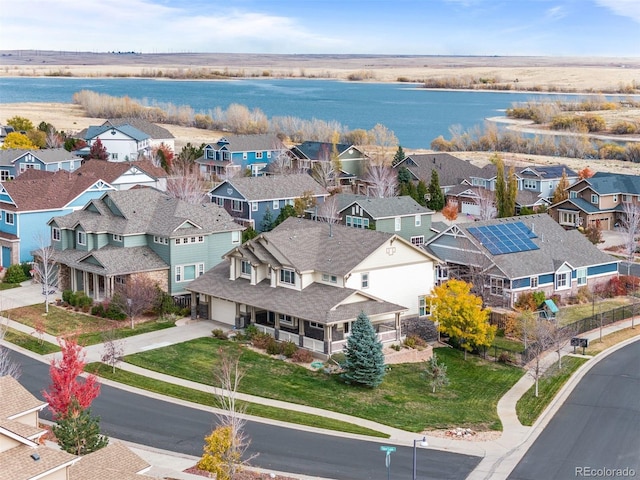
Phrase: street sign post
[387,459]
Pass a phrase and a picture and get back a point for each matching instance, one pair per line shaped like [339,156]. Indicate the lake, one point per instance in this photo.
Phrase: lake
[415,115]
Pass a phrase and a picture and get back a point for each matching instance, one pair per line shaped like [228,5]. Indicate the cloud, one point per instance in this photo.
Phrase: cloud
[555,13]
[624,8]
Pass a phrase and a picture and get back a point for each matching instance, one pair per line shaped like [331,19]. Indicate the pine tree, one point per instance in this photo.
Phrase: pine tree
[501,187]
[267,221]
[436,197]
[560,193]
[364,363]
[421,193]
[78,432]
[436,374]
[511,193]
[399,156]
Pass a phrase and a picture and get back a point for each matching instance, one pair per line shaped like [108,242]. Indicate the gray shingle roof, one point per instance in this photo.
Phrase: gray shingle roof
[45,155]
[609,183]
[316,303]
[273,187]
[112,260]
[251,143]
[154,131]
[382,207]
[555,245]
[148,211]
[94,131]
[451,170]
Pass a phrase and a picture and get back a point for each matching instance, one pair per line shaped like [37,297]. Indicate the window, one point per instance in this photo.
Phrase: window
[235,236]
[594,199]
[9,218]
[497,286]
[220,201]
[286,320]
[561,281]
[287,276]
[364,280]
[533,282]
[117,238]
[424,306]
[55,234]
[186,240]
[398,226]
[418,221]
[315,325]
[419,240]
[357,222]
[573,194]
[569,218]
[581,276]
[442,272]
[254,206]
[627,198]
[186,273]
[276,204]
[244,155]
[529,184]
[5,175]
[114,156]
[29,166]
[258,155]
[236,205]
[81,238]
[119,280]
[163,240]
[329,278]
[245,268]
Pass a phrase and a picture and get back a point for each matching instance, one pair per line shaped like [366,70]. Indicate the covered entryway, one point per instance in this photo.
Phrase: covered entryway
[6,256]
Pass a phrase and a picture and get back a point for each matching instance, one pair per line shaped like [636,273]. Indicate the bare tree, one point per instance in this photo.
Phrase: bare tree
[45,269]
[541,340]
[630,227]
[113,349]
[384,143]
[485,200]
[7,365]
[138,294]
[53,138]
[328,210]
[382,181]
[323,173]
[560,337]
[186,185]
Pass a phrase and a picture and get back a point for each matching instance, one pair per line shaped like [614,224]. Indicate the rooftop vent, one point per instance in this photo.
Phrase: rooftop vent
[35,457]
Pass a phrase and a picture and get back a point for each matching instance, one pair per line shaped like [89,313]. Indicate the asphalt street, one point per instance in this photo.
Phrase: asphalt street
[596,432]
[169,426]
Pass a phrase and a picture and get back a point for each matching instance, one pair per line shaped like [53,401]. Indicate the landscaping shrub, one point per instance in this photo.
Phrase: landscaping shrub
[66,296]
[251,331]
[83,300]
[114,312]
[506,357]
[302,356]
[414,341]
[26,268]
[219,334]
[261,340]
[15,274]
[273,347]
[288,349]
[98,310]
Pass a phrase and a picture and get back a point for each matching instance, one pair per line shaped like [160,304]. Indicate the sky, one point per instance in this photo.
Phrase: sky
[394,27]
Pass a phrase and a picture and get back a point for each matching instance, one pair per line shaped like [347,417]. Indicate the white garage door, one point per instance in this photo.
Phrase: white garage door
[223,311]
[470,208]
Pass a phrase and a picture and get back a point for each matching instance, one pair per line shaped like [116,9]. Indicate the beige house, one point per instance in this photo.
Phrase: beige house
[24,455]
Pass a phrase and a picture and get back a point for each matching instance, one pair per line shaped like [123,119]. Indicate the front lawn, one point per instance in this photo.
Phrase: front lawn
[574,313]
[403,400]
[29,342]
[90,329]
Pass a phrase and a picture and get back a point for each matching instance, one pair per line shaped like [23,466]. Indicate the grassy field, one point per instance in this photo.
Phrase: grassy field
[403,400]
[209,399]
[573,313]
[30,342]
[597,346]
[529,407]
[90,329]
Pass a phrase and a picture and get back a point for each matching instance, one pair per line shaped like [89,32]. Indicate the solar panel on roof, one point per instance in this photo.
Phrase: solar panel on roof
[505,237]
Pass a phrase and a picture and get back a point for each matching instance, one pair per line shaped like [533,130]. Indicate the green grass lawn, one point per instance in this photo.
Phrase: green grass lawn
[403,400]
[209,399]
[529,407]
[573,313]
[60,321]
[30,342]
[507,344]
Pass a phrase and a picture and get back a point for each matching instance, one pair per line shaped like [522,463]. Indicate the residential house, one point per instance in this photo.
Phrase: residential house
[399,215]
[125,175]
[353,160]
[4,131]
[250,199]
[506,257]
[544,179]
[157,135]
[597,201]
[24,456]
[452,171]
[124,143]
[233,154]
[139,231]
[307,281]
[29,201]
[14,161]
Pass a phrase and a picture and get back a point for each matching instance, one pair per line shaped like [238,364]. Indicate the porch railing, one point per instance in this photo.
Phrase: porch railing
[312,344]
[288,337]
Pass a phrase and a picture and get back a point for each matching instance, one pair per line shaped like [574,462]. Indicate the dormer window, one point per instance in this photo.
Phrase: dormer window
[594,199]
[81,237]
[246,268]
[287,276]
[329,278]
[55,234]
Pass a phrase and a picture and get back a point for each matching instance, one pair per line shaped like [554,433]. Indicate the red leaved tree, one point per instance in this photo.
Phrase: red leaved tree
[450,211]
[98,151]
[586,172]
[65,386]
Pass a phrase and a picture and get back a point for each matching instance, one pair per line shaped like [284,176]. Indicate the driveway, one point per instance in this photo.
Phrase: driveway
[28,294]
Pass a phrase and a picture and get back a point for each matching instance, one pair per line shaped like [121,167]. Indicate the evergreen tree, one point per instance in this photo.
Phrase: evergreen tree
[421,193]
[267,221]
[78,432]
[248,234]
[501,186]
[511,193]
[404,176]
[399,156]
[286,212]
[436,197]
[364,363]
[560,193]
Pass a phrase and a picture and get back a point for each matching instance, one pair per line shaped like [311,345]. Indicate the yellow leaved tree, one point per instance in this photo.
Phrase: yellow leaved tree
[460,315]
[18,140]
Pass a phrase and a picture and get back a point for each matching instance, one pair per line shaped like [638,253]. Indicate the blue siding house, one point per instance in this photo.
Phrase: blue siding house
[15,161]
[29,201]
[233,154]
[248,199]
[139,231]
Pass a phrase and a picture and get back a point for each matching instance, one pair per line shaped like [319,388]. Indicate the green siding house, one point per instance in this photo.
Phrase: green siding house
[139,231]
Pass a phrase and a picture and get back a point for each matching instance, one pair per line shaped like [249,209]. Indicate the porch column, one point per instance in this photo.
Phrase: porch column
[96,287]
[276,326]
[194,309]
[300,332]
[253,315]
[85,280]
[72,279]
[398,327]
[237,314]
[327,339]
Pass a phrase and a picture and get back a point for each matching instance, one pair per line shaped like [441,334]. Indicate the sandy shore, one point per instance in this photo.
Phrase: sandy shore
[560,73]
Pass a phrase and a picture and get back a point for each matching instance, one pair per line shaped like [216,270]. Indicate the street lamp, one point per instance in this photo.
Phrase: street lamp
[423,443]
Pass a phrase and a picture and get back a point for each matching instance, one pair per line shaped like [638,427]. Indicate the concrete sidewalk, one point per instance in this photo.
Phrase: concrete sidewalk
[499,456]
